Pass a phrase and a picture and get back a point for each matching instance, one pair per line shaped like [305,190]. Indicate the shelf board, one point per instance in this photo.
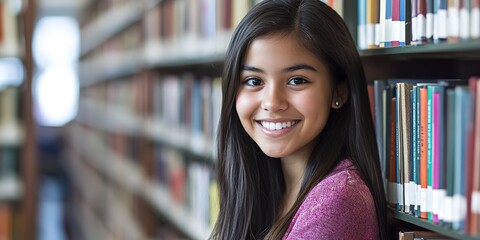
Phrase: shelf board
[466,49]
[109,67]
[118,169]
[180,217]
[431,226]
[118,119]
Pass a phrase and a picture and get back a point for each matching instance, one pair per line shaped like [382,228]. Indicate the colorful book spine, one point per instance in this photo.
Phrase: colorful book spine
[362,24]
[436,156]
[465,6]
[475,207]
[423,152]
[462,101]
[440,21]
[372,20]
[429,152]
[429,20]
[453,20]
[396,24]
[450,156]
[475,19]
[421,21]
[388,23]
[414,12]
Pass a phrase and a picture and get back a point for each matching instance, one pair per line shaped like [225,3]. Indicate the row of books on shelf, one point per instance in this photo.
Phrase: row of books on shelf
[10,123]
[173,31]
[190,182]
[181,187]
[428,133]
[420,235]
[9,36]
[183,110]
[386,23]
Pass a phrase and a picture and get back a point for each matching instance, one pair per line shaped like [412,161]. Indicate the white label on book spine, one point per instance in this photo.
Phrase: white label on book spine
[448,209]
[476,202]
[395,33]
[414,29]
[436,201]
[400,194]
[429,200]
[442,24]
[464,23]
[370,34]
[406,196]
[423,199]
[413,193]
[453,22]
[475,23]
[429,25]
[442,194]
[421,27]
[459,208]
[377,34]
[362,38]
[418,197]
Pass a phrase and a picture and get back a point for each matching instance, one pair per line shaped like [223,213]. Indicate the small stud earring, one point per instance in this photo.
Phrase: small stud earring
[337,102]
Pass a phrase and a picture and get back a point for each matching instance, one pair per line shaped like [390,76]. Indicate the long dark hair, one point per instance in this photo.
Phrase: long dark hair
[251,183]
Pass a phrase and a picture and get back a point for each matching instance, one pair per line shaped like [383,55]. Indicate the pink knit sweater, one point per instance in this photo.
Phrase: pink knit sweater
[339,207]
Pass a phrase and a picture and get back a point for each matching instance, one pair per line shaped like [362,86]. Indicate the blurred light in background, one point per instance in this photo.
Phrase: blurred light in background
[11,72]
[56,95]
[56,44]
[56,40]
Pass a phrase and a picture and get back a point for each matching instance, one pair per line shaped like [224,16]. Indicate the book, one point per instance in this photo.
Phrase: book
[362,24]
[475,19]
[423,152]
[440,26]
[475,196]
[462,101]
[414,235]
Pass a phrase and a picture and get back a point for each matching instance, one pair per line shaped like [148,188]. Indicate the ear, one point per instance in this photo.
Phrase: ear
[340,96]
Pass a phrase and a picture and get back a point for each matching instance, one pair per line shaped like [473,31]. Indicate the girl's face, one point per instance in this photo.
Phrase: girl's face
[284,97]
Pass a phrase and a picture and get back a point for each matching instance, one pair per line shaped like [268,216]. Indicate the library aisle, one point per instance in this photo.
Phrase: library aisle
[108,131]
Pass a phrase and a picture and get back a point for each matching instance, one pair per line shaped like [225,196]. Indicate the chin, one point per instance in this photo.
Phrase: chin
[274,154]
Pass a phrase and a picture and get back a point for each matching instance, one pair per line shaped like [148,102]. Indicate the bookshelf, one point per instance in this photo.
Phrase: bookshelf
[140,138]
[17,135]
[138,134]
[424,56]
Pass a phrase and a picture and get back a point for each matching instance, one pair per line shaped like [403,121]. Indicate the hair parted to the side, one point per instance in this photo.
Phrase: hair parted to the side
[251,183]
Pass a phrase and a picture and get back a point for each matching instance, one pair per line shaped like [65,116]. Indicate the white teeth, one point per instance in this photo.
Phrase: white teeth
[278,125]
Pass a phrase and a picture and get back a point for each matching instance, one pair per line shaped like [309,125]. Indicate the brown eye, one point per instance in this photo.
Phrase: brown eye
[253,82]
[297,81]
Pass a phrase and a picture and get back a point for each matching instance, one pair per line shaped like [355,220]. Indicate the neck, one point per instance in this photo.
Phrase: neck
[293,170]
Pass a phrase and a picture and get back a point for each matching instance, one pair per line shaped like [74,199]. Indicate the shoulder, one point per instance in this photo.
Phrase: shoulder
[339,206]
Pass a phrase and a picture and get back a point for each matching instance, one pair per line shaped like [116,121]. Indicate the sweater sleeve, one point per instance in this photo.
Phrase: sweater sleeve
[337,208]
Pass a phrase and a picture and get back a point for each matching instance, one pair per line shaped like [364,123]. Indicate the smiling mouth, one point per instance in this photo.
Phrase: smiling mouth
[278,125]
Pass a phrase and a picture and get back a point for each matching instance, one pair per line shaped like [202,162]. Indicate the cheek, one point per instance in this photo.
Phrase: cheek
[314,104]
[245,106]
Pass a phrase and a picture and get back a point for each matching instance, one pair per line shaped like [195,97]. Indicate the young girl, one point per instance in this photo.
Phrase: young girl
[296,151]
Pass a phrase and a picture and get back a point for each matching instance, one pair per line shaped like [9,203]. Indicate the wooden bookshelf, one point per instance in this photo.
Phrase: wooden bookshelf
[125,60]
[455,57]
[430,226]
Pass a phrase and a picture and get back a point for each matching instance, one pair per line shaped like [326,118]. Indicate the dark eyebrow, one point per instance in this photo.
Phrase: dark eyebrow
[293,68]
[299,67]
[252,69]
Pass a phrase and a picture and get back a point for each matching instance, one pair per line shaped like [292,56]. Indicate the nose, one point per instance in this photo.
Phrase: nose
[274,99]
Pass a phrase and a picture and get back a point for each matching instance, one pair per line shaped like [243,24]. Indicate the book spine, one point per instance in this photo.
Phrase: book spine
[423,152]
